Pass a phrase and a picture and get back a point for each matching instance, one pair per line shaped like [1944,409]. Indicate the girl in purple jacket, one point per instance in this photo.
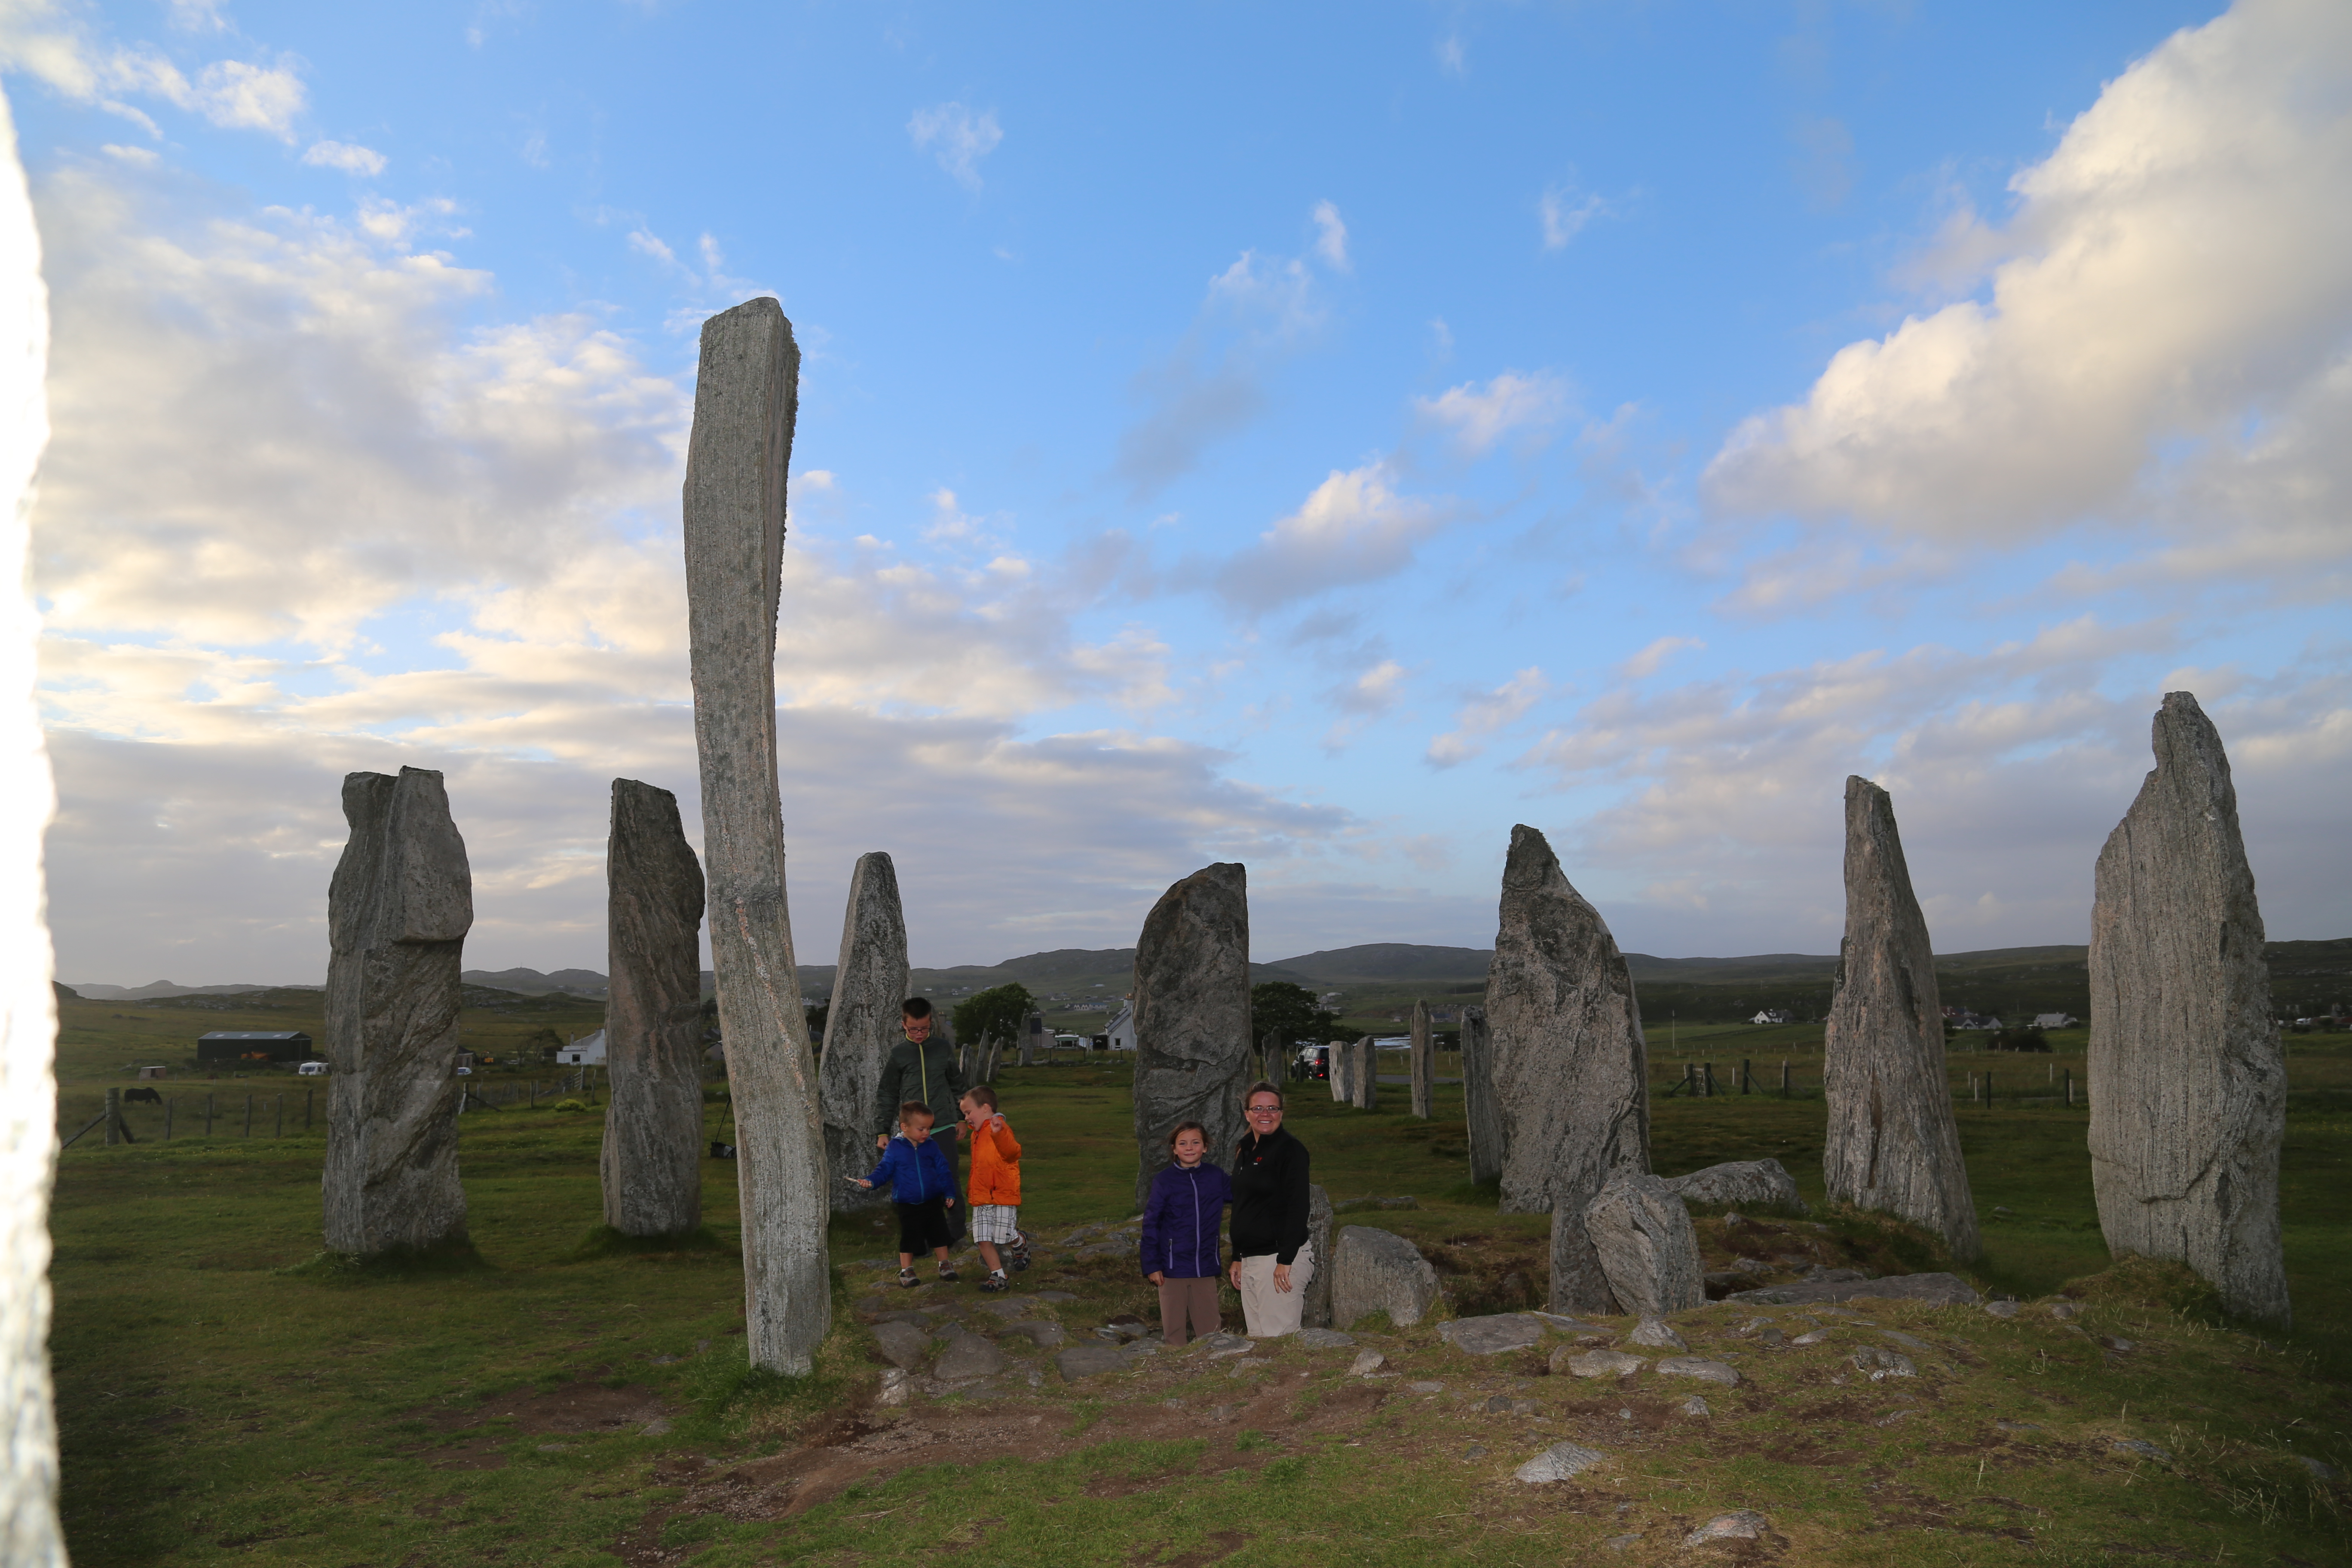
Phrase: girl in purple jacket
[1181,1222]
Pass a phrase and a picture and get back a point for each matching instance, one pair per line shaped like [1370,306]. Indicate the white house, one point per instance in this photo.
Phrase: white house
[1770,1015]
[2053,1020]
[1122,1028]
[588,1051]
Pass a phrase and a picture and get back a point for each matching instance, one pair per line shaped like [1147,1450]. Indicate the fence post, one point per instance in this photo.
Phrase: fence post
[2070,1086]
[248,1116]
[1784,1081]
[1988,1089]
[208,1116]
[1747,1079]
[113,1117]
[167,1119]
[281,1115]
[1708,1069]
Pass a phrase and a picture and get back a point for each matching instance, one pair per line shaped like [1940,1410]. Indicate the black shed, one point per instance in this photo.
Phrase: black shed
[229,1045]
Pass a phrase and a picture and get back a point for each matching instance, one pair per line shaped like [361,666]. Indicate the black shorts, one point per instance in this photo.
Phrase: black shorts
[924,1226]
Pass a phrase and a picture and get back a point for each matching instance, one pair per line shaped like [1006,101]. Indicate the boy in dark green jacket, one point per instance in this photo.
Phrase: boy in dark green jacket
[922,1070]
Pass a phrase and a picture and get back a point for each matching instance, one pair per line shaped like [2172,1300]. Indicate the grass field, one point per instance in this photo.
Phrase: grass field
[222,1401]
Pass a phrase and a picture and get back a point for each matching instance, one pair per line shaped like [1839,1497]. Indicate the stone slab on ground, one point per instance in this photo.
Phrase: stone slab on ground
[1040,1332]
[1559,1462]
[1934,1289]
[1086,1361]
[903,1343]
[1746,1182]
[1366,1364]
[1699,1367]
[1325,1339]
[1596,1364]
[1745,1525]
[1492,1335]
[968,1356]
[1657,1335]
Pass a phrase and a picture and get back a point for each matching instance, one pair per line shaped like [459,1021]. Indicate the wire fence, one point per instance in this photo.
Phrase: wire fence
[1985,1090]
[286,1112]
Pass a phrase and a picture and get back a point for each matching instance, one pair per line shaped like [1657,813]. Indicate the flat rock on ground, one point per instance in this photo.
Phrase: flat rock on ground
[1745,1525]
[1492,1335]
[1935,1290]
[1085,1361]
[1700,1367]
[1325,1339]
[1657,1335]
[1039,1331]
[968,1356]
[1746,1182]
[1598,1363]
[903,1343]
[1559,1463]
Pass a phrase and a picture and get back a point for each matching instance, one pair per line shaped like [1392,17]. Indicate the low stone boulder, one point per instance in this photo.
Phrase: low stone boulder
[1559,1463]
[1492,1335]
[903,1344]
[1324,1338]
[1658,1336]
[968,1356]
[1043,1332]
[1756,1182]
[1934,1289]
[1745,1525]
[1698,1367]
[1649,1254]
[1380,1272]
[1596,1364]
[1087,1360]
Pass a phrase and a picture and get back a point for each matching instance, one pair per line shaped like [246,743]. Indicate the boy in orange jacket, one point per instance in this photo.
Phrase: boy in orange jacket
[995,1190]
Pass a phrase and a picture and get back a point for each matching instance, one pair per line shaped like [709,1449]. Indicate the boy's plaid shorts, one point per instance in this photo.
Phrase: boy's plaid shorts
[996,1223]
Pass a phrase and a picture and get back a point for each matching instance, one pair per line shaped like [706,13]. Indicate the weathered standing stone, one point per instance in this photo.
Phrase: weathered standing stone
[1342,1060]
[746,395]
[1485,1117]
[2188,1079]
[397,913]
[1364,1075]
[1759,1183]
[1893,1144]
[652,1160]
[1316,1312]
[1192,1016]
[1641,1234]
[1424,1064]
[1570,1068]
[861,1023]
[1380,1272]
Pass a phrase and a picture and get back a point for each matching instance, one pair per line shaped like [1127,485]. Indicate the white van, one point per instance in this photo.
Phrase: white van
[311,1070]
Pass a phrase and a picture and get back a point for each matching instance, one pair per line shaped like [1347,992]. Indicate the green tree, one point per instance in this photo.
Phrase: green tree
[1289,1012]
[1000,1010]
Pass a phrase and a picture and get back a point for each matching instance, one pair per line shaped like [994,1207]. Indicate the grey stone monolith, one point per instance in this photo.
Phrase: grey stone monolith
[861,1025]
[1342,1068]
[651,1158]
[1424,1064]
[1375,1270]
[1192,1016]
[2187,1074]
[1485,1117]
[1893,1143]
[1756,1183]
[746,393]
[1364,1075]
[1647,1247]
[1316,1313]
[1570,1069]
[397,913]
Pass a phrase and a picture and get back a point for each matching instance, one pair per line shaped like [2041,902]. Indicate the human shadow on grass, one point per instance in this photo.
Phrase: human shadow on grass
[398,1264]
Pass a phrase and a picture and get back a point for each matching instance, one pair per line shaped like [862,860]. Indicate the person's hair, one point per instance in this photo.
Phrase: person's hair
[1261,1087]
[982,1094]
[915,1007]
[913,1108]
[1184,1127]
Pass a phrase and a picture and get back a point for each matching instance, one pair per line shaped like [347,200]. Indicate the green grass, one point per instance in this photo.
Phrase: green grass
[226,1395]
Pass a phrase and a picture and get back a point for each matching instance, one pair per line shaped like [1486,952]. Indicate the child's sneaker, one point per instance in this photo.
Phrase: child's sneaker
[906,1279]
[947,1273]
[996,1281]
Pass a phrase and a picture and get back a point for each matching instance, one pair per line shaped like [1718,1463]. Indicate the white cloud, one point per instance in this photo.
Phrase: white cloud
[2165,335]
[1653,659]
[1332,236]
[1453,58]
[351,158]
[41,40]
[1481,416]
[957,138]
[819,480]
[1483,714]
[1372,693]
[1354,528]
[1563,216]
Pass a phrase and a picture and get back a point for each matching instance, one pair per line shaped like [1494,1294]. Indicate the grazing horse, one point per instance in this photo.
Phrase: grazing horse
[152,1097]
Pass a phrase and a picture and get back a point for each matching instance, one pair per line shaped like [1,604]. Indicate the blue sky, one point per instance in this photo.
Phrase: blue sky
[1320,437]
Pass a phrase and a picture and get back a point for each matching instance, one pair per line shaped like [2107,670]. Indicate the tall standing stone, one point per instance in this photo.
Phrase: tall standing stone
[1364,1075]
[2188,1079]
[1485,1117]
[1424,1064]
[746,396]
[1342,1070]
[1192,1016]
[1569,1067]
[397,913]
[1893,1144]
[1316,1313]
[652,1163]
[861,1023]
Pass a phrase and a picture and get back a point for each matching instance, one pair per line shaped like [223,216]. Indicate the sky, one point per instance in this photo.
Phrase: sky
[1319,437]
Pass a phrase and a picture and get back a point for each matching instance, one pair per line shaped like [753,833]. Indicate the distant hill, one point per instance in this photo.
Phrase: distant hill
[1396,960]
[156,988]
[532,982]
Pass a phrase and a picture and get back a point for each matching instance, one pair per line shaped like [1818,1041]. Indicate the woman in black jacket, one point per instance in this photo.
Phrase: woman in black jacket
[1273,1259]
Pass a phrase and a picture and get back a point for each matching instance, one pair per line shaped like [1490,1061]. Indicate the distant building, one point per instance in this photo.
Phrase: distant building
[2053,1020]
[232,1045]
[1773,1016]
[1122,1028]
[588,1051]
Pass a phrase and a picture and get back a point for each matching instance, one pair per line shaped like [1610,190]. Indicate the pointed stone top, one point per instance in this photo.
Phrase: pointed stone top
[1530,860]
[2185,738]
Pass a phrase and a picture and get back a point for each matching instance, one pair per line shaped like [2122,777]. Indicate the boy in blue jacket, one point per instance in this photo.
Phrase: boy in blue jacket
[922,1190]
[1181,1221]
